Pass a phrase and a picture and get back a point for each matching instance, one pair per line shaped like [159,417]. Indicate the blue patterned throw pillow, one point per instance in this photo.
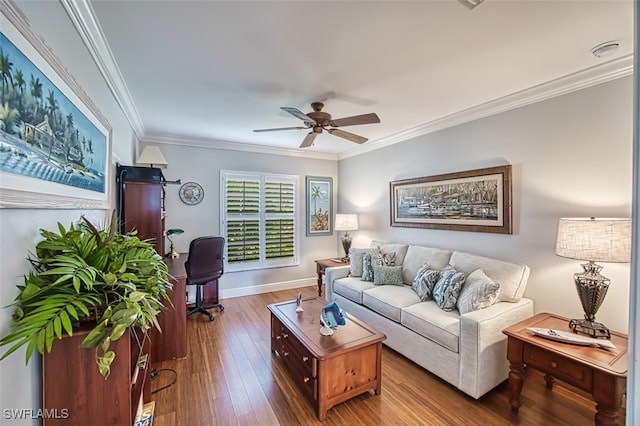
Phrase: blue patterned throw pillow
[387,275]
[386,259]
[355,256]
[425,281]
[367,267]
[448,288]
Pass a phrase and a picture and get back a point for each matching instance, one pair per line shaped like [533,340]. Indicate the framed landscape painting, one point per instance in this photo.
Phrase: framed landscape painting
[319,213]
[473,200]
[55,145]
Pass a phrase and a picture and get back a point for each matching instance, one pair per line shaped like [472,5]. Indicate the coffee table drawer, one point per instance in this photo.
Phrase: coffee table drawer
[559,367]
[301,374]
[302,355]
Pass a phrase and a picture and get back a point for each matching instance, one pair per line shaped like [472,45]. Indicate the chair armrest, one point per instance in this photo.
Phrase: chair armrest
[331,274]
[483,346]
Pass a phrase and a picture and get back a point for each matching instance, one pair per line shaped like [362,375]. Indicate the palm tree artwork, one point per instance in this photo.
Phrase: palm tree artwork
[319,216]
[43,134]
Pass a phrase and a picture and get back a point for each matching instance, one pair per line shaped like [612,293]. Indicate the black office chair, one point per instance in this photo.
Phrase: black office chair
[205,264]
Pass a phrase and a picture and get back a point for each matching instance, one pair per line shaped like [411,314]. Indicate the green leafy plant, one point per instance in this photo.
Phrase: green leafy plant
[85,274]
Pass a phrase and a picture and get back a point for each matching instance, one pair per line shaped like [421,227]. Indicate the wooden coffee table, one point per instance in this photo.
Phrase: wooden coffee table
[601,372]
[328,369]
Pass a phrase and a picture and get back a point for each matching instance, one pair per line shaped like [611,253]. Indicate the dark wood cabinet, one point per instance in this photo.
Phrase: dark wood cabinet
[143,210]
[171,342]
[74,391]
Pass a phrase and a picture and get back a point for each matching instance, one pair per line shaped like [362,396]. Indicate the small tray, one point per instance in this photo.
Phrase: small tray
[572,338]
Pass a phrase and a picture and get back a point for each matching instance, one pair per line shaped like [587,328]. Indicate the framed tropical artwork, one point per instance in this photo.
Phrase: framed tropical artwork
[319,201]
[55,145]
[473,200]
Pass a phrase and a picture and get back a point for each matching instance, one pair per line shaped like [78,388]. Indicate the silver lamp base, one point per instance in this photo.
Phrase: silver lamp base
[346,245]
[592,328]
[592,288]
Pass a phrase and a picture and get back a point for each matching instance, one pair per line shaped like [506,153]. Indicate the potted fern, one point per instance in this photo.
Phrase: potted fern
[82,274]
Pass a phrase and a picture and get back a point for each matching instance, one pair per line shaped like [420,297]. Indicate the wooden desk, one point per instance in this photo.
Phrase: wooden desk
[172,342]
[323,264]
[601,372]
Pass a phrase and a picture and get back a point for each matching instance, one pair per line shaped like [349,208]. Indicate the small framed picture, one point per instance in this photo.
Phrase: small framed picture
[319,203]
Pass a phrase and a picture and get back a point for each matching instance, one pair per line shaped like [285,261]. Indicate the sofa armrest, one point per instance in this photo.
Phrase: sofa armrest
[331,274]
[483,346]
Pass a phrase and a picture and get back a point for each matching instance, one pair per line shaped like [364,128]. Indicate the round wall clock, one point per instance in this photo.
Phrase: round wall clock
[191,193]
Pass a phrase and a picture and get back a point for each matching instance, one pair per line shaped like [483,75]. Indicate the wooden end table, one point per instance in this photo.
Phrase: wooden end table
[323,264]
[328,369]
[601,372]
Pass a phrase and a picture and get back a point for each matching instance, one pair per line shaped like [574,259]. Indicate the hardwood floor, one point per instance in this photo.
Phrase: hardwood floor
[230,377]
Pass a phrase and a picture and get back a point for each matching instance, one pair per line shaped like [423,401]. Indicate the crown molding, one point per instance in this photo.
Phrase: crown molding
[86,23]
[598,74]
[167,139]
[83,18]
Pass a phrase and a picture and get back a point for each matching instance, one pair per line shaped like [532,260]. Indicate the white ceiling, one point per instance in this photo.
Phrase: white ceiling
[211,71]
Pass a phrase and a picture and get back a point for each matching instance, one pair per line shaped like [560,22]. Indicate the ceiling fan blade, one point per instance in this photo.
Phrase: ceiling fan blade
[308,140]
[356,119]
[348,136]
[275,129]
[299,114]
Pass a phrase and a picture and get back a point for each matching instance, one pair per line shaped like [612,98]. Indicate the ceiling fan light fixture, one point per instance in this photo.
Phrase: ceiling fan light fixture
[318,121]
[470,4]
[605,49]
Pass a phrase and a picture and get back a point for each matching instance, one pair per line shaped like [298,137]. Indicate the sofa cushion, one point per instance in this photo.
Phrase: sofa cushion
[351,288]
[448,288]
[391,275]
[367,267]
[424,282]
[511,276]
[388,300]
[428,320]
[418,255]
[478,292]
[355,258]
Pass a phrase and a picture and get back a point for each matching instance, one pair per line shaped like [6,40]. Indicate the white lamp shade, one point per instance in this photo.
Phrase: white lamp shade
[595,239]
[346,222]
[152,156]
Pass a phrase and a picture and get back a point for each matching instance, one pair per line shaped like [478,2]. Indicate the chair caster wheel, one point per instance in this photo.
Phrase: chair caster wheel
[221,308]
[211,317]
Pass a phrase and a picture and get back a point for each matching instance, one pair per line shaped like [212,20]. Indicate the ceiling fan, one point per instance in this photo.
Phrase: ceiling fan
[317,121]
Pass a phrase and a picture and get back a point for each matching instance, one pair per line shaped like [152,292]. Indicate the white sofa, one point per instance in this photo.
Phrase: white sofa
[469,351]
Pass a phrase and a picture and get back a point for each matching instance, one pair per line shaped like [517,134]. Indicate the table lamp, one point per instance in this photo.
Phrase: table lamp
[173,254]
[346,222]
[152,156]
[593,239]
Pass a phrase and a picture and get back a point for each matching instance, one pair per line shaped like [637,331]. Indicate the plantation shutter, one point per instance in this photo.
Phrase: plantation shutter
[279,224]
[259,220]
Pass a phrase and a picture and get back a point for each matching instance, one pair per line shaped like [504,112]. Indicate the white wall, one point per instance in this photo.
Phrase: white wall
[571,156]
[19,384]
[203,165]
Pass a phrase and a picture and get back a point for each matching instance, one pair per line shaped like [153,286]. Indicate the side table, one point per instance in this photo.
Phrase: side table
[323,264]
[601,372]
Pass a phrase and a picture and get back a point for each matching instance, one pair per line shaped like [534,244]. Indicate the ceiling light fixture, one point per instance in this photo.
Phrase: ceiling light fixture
[605,49]
[471,3]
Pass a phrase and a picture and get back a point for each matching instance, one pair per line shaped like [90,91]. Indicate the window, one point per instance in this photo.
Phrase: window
[259,220]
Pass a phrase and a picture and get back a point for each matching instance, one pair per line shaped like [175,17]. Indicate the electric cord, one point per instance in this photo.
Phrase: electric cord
[154,376]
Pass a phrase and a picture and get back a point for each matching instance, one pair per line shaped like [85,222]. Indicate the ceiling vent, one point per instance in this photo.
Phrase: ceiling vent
[471,3]
[605,49]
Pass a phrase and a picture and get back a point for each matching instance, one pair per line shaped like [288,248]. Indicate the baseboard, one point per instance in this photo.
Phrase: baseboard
[266,288]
